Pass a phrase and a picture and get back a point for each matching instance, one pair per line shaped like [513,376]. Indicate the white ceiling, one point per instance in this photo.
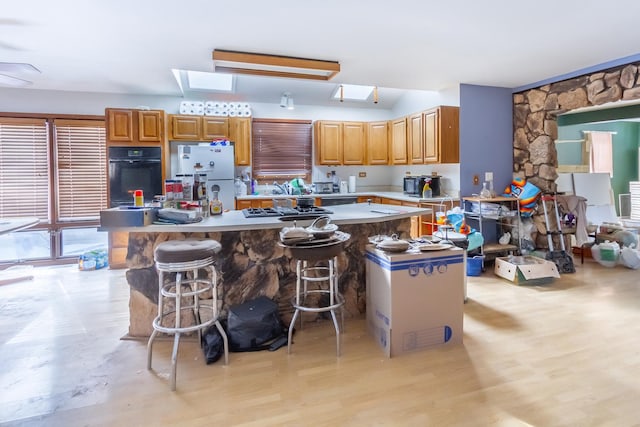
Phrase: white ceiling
[125,46]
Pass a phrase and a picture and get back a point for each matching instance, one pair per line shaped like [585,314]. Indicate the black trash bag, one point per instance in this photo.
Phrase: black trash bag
[212,344]
[255,325]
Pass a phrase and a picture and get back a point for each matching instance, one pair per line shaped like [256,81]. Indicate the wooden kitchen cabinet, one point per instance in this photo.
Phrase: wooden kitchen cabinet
[353,143]
[240,134]
[386,201]
[185,128]
[151,126]
[128,126]
[398,142]
[365,199]
[215,127]
[119,125]
[118,247]
[415,140]
[197,128]
[415,220]
[441,135]
[378,143]
[339,143]
[243,204]
[328,141]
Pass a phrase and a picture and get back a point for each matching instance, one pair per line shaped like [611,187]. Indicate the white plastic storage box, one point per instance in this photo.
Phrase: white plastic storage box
[526,270]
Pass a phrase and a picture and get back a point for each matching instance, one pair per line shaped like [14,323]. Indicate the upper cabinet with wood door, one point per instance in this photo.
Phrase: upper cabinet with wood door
[197,128]
[151,126]
[442,135]
[340,143]
[415,138]
[353,143]
[240,134]
[127,126]
[398,141]
[185,128]
[216,127]
[328,141]
[378,143]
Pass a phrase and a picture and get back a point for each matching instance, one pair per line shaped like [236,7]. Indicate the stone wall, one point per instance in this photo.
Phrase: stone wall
[535,114]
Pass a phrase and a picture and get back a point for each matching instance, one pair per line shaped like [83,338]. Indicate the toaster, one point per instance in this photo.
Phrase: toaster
[323,187]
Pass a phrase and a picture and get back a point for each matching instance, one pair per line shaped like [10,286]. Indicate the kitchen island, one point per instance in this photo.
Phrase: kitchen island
[251,263]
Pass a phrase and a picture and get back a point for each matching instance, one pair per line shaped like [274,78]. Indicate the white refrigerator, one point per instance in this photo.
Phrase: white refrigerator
[217,162]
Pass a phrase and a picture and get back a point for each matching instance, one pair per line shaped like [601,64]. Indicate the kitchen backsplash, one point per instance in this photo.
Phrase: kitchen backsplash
[380,178]
[390,178]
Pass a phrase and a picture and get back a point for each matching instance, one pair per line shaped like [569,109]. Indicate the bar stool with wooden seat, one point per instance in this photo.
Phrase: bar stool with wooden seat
[180,257]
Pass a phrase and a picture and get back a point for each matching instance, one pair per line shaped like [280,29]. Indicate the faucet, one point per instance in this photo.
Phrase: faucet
[280,188]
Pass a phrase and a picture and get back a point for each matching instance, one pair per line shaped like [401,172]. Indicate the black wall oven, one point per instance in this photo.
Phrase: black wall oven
[134,168]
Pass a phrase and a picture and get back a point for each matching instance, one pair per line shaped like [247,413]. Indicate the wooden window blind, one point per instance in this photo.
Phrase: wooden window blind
[24,168]
[281,149]
[81,171]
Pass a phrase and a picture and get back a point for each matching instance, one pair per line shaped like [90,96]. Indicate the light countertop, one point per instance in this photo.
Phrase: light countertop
[234,220]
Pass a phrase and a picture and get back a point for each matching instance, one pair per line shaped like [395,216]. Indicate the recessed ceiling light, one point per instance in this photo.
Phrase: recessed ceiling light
[353,92]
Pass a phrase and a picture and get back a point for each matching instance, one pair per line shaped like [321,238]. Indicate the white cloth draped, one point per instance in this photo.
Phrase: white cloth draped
[601,152]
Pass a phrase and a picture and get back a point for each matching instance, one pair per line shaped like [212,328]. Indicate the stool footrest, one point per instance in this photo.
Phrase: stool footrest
[188,282]
[339,301]
[157,322]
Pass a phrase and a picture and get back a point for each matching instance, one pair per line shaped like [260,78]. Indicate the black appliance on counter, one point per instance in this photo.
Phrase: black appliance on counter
[134,168]
[413,185]
[285,211]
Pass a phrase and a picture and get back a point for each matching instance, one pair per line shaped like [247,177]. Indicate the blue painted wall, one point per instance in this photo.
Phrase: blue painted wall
[486,136]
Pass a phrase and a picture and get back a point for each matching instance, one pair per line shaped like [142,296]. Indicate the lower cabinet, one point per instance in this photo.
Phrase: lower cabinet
[415,221]
[118,246]
[260,203]
[365,199]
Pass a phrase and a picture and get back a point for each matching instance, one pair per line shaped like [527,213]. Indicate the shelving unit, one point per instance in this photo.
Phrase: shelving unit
[490,247]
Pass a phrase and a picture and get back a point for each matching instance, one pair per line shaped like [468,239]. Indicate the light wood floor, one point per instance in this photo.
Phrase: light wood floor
[566,354]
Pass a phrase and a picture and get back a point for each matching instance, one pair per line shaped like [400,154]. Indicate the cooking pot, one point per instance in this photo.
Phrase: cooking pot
[306,202]
[393,244]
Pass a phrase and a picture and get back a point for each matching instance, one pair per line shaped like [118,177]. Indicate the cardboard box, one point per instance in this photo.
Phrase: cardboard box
[526,270]
[127,217]
[414,299]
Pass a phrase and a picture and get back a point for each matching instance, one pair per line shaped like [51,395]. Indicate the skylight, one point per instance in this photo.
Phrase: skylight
[197,80]
[353,92]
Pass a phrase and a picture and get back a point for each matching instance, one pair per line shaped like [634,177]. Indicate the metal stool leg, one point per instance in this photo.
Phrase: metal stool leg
[174,361]
[335,325]
[160,311]
[291,325]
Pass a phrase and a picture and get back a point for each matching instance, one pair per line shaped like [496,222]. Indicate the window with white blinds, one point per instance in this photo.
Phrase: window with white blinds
[81,171]
[281,149]
[24,168]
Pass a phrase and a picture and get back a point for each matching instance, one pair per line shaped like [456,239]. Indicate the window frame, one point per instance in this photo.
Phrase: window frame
[53,225]
[276,128]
